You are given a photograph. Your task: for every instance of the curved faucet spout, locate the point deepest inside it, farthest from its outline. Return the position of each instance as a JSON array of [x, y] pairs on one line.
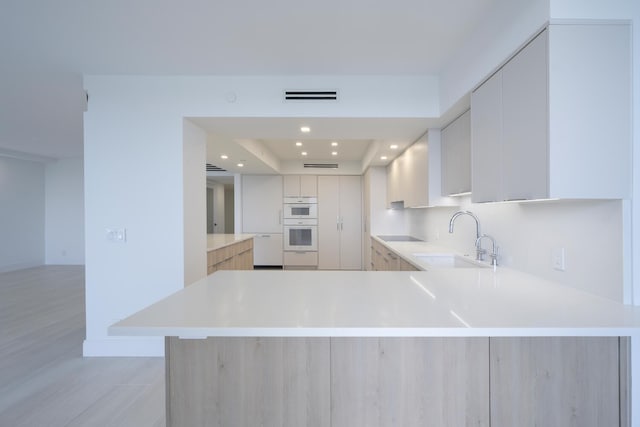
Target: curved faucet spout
[[479, 251], [457, 214]]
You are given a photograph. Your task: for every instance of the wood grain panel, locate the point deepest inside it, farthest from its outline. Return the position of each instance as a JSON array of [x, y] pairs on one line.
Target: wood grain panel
[[248, 382], [409, 382], [555, 381]]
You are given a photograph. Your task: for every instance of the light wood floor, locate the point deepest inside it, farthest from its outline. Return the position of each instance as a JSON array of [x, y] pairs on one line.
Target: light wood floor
[[45, 381]]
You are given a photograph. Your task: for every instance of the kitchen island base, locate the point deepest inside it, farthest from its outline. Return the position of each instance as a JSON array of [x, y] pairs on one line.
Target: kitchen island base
[[397, 381]]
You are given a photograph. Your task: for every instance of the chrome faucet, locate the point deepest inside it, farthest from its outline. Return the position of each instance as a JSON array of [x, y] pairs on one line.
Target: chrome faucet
[[479, 251], [494, 248]]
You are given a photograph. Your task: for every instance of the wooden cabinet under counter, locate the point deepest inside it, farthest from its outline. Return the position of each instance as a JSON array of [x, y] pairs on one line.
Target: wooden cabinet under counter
[[383, 259], [229, 252]]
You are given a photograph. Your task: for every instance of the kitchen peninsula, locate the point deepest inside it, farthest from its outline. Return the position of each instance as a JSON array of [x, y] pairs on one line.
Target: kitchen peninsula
[[229, 252], [444, 347]]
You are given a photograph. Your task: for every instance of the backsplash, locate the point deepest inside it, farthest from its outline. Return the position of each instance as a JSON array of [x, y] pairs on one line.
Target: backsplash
[[590, 232]]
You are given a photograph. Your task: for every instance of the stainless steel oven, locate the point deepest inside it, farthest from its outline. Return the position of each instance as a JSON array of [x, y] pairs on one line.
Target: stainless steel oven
[[300, 234], [300, 208]]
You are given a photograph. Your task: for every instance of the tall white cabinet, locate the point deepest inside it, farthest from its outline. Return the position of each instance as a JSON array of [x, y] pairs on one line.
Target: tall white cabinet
[[339, 223], [554, 121], [262, 216]]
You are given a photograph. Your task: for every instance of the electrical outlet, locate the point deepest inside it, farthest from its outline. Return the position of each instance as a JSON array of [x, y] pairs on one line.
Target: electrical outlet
[[557, 259], [118, 235]]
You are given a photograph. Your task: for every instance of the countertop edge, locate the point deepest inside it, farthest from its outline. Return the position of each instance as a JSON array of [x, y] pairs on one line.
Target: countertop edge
[[444, 332], [238, 238]]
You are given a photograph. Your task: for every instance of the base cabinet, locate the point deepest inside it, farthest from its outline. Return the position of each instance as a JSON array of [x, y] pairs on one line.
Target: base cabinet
[[238, 256], [397, 381], [560, 381], [383, 259], [409, 382]]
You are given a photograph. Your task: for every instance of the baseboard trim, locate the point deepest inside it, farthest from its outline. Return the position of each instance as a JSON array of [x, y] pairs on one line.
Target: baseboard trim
[[124, 347]]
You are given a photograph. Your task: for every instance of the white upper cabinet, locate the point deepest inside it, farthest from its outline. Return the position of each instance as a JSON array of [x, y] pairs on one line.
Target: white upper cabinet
[[300, 186], [456, 156], [407, 176], [554, 121], [414, 177]]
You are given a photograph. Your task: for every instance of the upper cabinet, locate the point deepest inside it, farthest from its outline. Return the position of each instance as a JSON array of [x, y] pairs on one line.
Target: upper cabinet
[[414, 177], [300, 186], [407, 179], [456, 156], [554, 121]]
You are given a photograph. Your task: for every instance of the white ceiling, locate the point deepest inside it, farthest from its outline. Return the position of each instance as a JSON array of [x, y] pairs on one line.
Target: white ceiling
[[46, 46]]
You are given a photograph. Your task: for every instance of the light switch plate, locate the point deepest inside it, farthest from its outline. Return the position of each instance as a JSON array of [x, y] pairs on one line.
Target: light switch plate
[[557, 259], [118, 235]]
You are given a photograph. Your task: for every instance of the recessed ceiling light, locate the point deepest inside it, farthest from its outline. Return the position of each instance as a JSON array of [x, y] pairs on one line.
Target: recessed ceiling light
[[394, 146], [304, 153], [334, 144], [224, 156], [334, 153], [383, 157], [298, 144], [240, 164], [305, 129]]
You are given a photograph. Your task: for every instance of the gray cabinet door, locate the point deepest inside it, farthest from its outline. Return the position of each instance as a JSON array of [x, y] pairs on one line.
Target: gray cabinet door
[[486, 137], [456, 156], [525, 112]]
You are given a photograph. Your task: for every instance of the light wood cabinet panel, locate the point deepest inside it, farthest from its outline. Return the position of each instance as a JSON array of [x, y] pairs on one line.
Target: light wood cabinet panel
[[383, 259], [456, 156], [300, 185], [398, 381], [339, 223], [238, 256], [406, 266], [486, 137], [557, 381], [309, 185], [554, 114], [525, 160], [248, 382], [408, 382], [351, 222], [408, 176], [262, 203]]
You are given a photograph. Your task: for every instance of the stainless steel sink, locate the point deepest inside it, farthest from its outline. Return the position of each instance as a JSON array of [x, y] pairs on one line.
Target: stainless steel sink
[[447, 261]]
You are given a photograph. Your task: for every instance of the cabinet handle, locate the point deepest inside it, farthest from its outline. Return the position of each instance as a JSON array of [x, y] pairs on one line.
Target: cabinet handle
[[280, 217], [338, 222]]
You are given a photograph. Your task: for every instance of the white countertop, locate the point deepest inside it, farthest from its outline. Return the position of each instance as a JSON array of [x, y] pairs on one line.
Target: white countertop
[[217, 241], [407, 249], [439, 302]]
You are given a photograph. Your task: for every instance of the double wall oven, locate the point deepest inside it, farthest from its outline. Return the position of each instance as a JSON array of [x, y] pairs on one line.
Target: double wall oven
[[301, 232]]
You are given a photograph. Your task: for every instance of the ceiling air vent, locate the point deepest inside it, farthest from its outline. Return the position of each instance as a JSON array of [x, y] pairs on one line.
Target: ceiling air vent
[[310, 95], [212, 168], [321, 165]]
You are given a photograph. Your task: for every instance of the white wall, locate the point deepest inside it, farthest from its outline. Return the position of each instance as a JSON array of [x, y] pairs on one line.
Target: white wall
[[64, 212], [22, 213], [589, 231], [134, 174], [195, 210]]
